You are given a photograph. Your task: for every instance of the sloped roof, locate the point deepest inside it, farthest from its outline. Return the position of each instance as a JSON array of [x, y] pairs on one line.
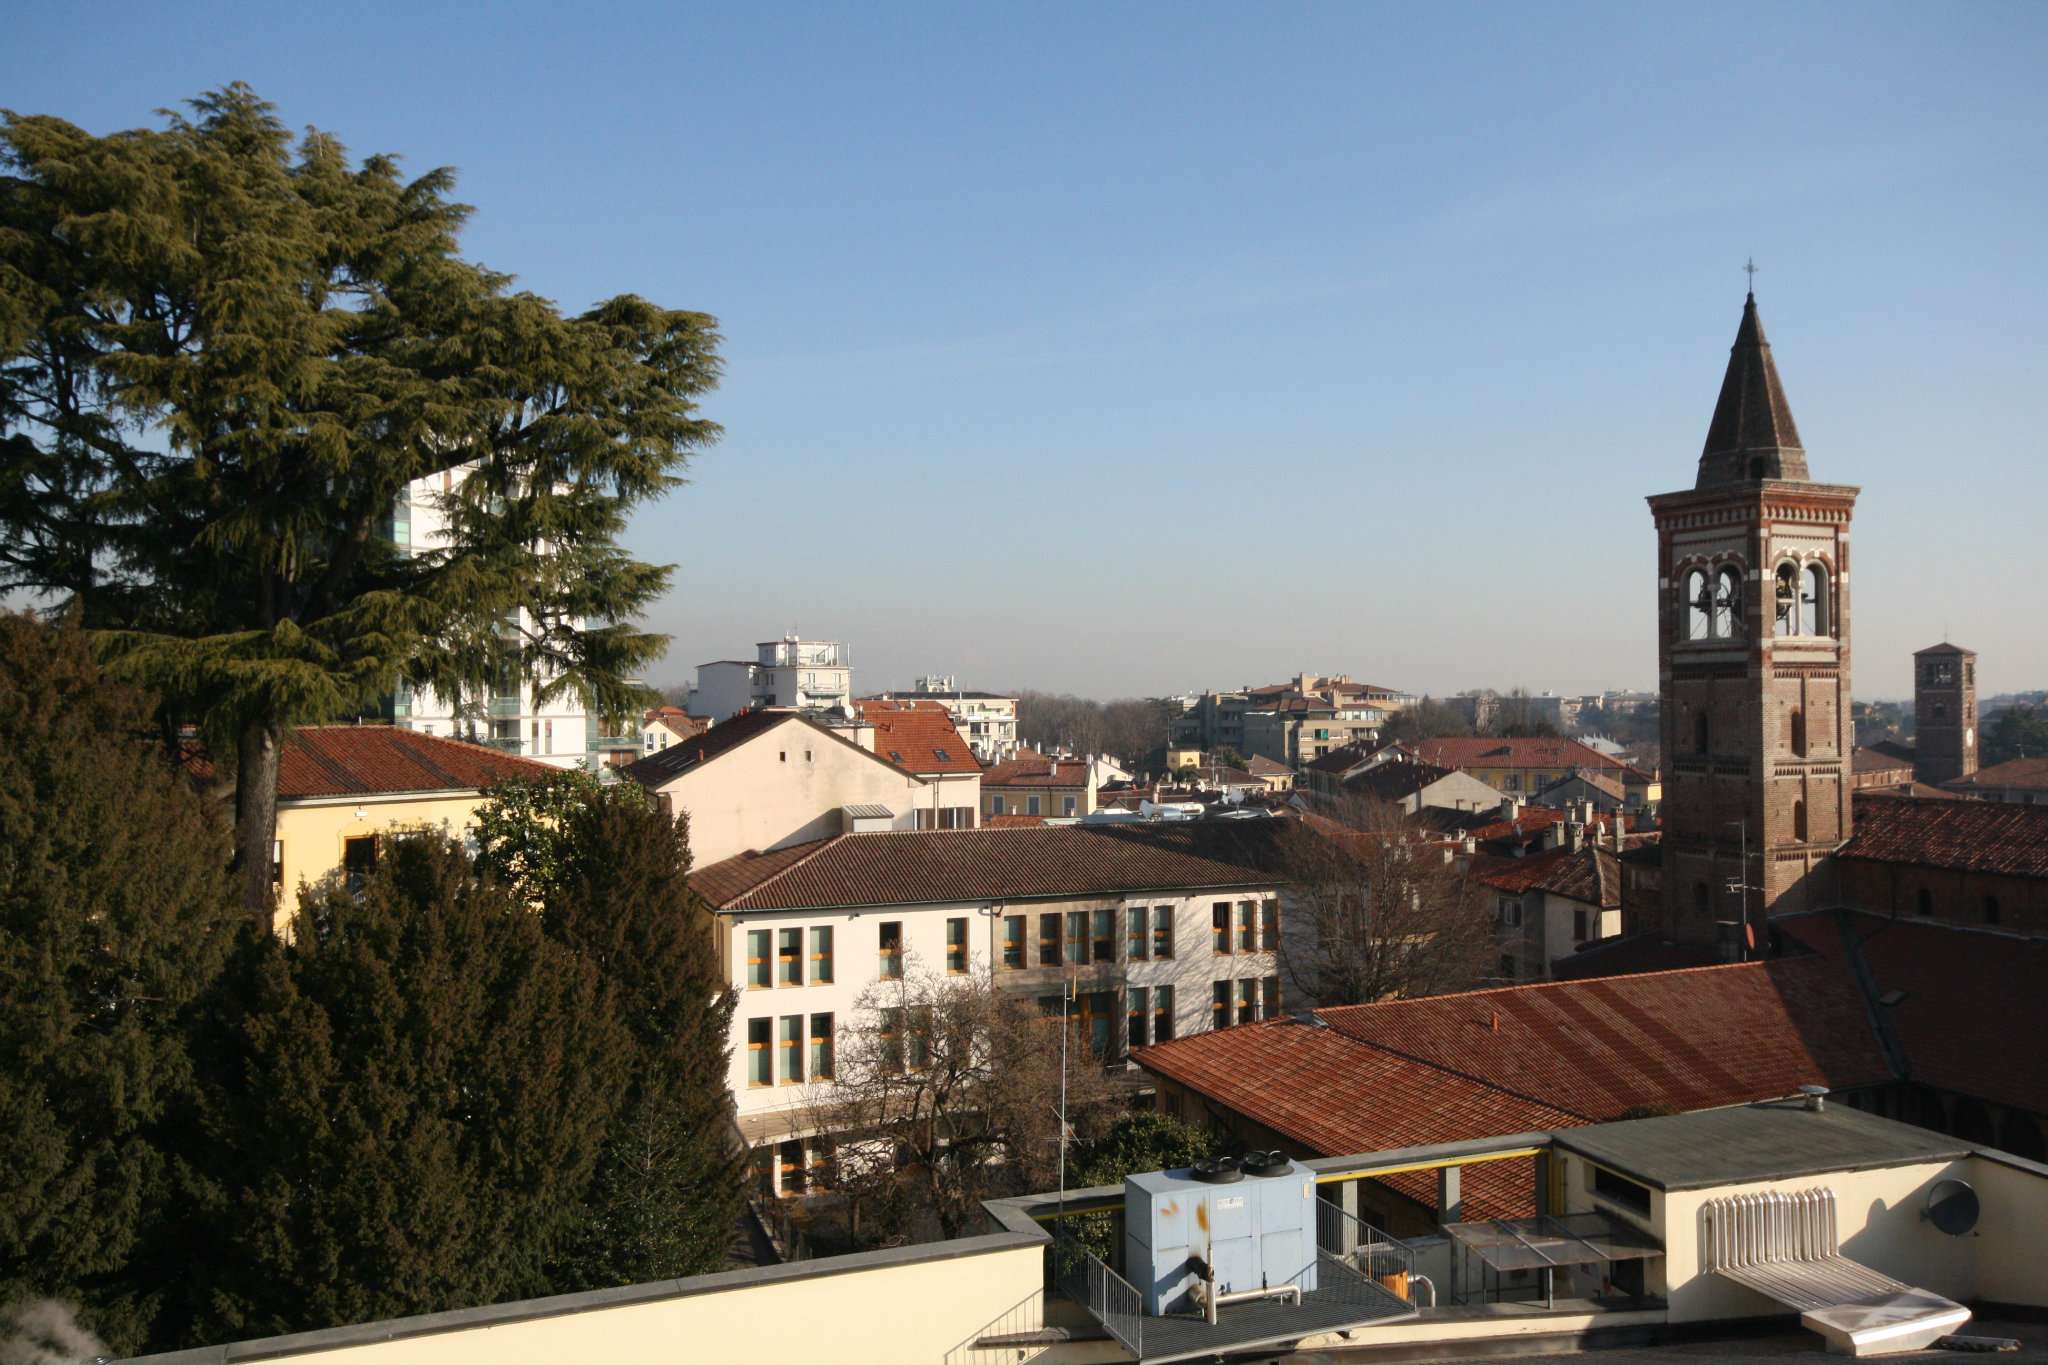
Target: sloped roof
[[1394, 781], [1341, 759], [1943, 648], [1591, 875], [2014, 772], [1029, 768], [1967, 836], [1629, 954], [660, 768], [1261, 766], [918, 736], [1516, 875], [1482, 751], [1752, 418], [911, 867], [366, 760], [1604, 783], [1880, 758]]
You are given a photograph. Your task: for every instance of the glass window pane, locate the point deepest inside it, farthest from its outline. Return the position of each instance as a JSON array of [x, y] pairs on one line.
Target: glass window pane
[[821, 1047], [956, 946], [760, 1062], [758, 967], [1077, 937], [1013, 941], [790, 957], [1162, 931], [1162, 1013], [1049, 940], [792, 1048], [821, 954], [1138, 941], [1105, 936]]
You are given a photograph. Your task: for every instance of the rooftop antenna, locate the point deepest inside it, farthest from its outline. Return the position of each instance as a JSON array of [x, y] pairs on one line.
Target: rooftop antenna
[[1749, 269]]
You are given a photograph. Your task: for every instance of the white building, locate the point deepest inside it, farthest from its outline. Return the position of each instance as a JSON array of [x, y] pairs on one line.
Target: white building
[[804, 674], [1163, 932], [987, 721]]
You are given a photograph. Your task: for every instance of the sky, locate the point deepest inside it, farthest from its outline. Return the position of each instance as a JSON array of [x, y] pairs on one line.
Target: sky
[[1144, 348]]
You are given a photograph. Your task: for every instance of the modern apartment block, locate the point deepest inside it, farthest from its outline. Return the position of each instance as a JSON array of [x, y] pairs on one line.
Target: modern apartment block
[[804, 674]]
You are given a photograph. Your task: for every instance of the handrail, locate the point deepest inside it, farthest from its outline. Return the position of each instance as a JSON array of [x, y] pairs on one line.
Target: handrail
[[1081, 1276], [1385, 1260]]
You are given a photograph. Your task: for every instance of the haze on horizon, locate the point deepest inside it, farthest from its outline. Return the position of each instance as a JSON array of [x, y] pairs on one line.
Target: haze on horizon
[[1175, 346]]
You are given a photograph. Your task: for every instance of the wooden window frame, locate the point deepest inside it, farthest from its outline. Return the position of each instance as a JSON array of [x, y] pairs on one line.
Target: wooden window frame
[[1137, 933], [1162, 933], [1219, 1004], [789, 1049], [1219, 929], [1076, 943], [1050, 939], [1162, 1014]]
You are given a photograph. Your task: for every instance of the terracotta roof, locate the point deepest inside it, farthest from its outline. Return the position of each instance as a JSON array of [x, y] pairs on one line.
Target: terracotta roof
[[1261, 766], [1630, 954], [1879, 758], [910, 867], [1394, 781], [1974, 1018], [2015, 772], [1341, 759], [1480, 751], [660, 768], [1606, 784], [1915, 789], [918, 736], [1591, 875], [1967, 836], [1012, 821], [380, 760], [1751, 417], [1029, 768]]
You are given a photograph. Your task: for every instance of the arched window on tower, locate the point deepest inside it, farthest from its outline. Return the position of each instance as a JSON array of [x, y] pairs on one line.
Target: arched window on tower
[[1700, 732], [1699, 605], [1786, 597], [1813, 601], [1799, 821], [1798, 732], [1728, 602]]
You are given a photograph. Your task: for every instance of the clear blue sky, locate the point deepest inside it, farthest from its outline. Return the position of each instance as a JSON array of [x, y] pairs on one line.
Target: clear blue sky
[[1132, 348]]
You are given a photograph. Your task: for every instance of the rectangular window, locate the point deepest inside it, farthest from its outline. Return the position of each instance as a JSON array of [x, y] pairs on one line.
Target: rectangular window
[[1098, 1023], [789, 958], [1105, 936], [1031, 805], [821, 1047], [1219, 929], [890, 1036], [1077, 938], [1013, 942], [1269, 926], [1219, 1005], [1162, 1013], [758, 966], [1247, 927], [759, 1061], [792, 1049], [1272, 985], [892, 950], [956, 946], [1621, 1190], [1162, 932], [1247, 1000], [1049, 940], [1138, 939], [1579, 926], [358, 858], [1136, 1016], [821, 954], [995, 805], [790, 1157], [764, 1171], [1067, 805], [277, 862]]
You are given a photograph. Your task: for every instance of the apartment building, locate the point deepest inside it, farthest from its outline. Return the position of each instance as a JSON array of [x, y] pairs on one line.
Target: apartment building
[[1162, 932], [789, 672], [919, 736], [1521, 767], [1035, 784], [987, 721]]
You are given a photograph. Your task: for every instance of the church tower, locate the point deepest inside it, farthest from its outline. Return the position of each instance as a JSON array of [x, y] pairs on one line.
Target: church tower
[[1752, 664], [1944, 713]]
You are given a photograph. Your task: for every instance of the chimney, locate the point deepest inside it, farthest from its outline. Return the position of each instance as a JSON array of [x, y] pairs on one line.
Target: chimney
[[1816, 1097], [1495, 1022], [1576, 833], [1510, 808]]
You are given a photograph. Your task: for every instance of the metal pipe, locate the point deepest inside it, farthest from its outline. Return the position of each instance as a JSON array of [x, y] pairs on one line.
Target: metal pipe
[[1414, 1280]]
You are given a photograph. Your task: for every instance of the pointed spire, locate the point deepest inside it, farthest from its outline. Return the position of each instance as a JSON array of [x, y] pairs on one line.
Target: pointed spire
[[1752, 435]]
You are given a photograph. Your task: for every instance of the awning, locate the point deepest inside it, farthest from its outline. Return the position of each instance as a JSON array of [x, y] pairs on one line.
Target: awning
[[1550, 1241]]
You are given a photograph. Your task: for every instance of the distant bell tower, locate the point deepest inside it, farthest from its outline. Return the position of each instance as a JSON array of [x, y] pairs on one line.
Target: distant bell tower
[[1944, 713], [1752, 664]]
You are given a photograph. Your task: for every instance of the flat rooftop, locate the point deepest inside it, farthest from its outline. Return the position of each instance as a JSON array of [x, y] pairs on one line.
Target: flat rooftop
[[1778, 1140]]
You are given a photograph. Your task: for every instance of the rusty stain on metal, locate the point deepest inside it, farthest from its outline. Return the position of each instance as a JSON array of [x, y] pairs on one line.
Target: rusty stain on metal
[[1202, 1216]]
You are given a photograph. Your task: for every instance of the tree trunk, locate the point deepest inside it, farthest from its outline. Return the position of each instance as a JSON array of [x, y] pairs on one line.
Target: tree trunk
[[256, 817]]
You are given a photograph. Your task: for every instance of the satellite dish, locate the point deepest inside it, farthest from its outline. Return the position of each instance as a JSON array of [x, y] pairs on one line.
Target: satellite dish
[[1952, 1206]]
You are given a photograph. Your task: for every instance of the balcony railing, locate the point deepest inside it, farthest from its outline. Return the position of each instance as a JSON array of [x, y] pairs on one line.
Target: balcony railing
[[1370, 1252], [1082, 1277], [506, 704]]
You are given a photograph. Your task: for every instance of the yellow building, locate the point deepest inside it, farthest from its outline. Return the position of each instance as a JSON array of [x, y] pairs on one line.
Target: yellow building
[[340, 788]]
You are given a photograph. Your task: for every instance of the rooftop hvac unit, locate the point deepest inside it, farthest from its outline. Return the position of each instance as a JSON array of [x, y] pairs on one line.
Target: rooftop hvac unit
[[1253, 1224]]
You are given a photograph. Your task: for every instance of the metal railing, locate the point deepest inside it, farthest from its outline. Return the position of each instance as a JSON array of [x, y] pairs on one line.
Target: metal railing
[[1349, 1240], [1014, 1336], [1082, 1277]]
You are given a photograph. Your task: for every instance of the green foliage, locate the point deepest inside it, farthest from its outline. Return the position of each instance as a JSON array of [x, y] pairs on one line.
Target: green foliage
[[405, 1105], [524, 828], [1147, 1140], [115, 912], [223, 358], [2015, 732]]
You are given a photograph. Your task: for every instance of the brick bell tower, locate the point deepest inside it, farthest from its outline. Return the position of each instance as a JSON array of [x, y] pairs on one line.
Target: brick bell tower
[[1752, 665], [1944, 713]]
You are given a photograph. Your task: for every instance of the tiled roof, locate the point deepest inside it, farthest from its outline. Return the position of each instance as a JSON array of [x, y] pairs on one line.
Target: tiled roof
[[2015, 772], [1029, 768], [1341, 760], [1751, 417], [365, 760], [1629, 954], [1974, 1018], [660, 768], [1915, 789], [1516, 875], [918, 736], [1966, 836], [1394, 781], [1336, 1096], [1591, 875], [910, 867], [1693, 1039], [1480, 751], [1606, 784], [1012, 821], [1879, 759], [1261, 766]]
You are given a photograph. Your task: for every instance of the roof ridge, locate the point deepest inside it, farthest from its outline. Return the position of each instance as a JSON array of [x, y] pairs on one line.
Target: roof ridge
[[1546, 985], [779, 873]]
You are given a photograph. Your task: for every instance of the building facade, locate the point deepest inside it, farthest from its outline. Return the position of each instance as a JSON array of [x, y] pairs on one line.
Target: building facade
[[1944, 714], [790, 672]]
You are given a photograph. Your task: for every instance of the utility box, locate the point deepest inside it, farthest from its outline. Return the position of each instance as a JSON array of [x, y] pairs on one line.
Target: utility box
[[1257, 1230]]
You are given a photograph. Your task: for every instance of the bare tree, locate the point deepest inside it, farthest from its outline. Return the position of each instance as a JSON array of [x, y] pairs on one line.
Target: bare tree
[[950, 1087], [1376, 909]]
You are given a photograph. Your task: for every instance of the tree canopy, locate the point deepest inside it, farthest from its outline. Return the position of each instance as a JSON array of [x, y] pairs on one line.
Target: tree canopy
[[225, 356]]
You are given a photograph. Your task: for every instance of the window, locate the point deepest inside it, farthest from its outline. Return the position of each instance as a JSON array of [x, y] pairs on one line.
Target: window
[[1219, 1005], [956, 946], [790, 1158], [1097, 1020], [890, 1035], [892, 950], [1269, 927], [1578, 926], [1813, 601], [1786, 595], [758, 967], [358, 858], [1702, 903], [1701, 733], [1798, 732], [1105, 935], [821, 1047], [1162, 932], [764, 1171], [1991, 910], [1728, 602], [759, 1061], [1049, 940], [1247, 1000], [995, 805], [789, 958], [1923, 901], [1799, 821], [1077, 938], [944, 757], [1162, 1013], [1138, 937], [1066, 805], [277, 862], [1272, 989], [1013, 942], [1137, 1017], [1510, 913], [1508, 970], [821, 954], [1698, 605], [1219, 929], [1621, 1190], [792, 1044], [1031, 805]]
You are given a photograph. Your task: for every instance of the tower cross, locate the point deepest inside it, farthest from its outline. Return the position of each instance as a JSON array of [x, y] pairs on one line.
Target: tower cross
[[1749, 269]]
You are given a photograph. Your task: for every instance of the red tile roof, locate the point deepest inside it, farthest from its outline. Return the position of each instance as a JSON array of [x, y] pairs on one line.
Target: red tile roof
[[1591, 875], [918, 736], [665, 765], [1261, 766], [2014, 772], [1966, 836], [362, 760], [1629, 955], [1029, 768], [912, 867], [1012, 821], [1481, 751], [1876, 759], [1516, 875]]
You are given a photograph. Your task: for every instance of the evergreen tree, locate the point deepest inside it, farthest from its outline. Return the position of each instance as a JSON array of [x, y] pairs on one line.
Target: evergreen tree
[[406, 1104], [115, 911], [223, 359]]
